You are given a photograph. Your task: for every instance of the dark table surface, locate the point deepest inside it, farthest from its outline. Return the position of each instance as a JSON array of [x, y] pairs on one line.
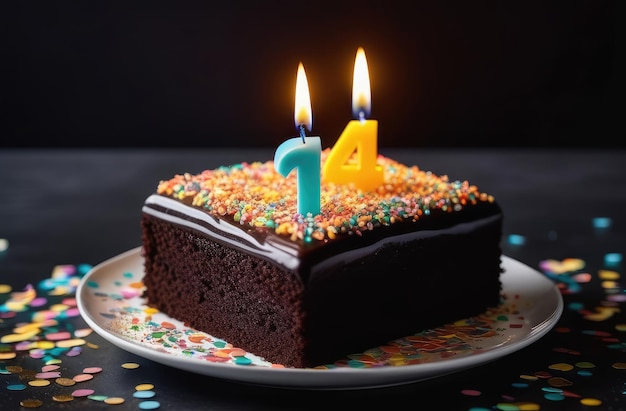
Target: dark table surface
[[81, 207]]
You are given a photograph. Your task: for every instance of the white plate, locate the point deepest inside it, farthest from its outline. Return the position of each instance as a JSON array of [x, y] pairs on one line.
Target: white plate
[[109, 300]]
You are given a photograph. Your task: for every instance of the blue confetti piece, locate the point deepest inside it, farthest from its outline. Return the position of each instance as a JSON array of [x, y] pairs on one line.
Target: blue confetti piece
[[144, 394], [84, 269], [612, 259], [602, 222], [149, 405], [16, 387], [554, 397], [516, 239]]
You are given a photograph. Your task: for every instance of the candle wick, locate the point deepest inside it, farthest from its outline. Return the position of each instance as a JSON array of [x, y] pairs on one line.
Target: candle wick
[[302, 134], [362, 115]]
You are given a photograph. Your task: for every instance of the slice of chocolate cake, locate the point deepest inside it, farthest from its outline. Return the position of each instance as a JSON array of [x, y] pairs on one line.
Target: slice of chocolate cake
[[226, 252]]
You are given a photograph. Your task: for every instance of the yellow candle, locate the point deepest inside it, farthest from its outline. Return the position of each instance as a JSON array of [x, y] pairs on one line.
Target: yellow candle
[[360, 136]]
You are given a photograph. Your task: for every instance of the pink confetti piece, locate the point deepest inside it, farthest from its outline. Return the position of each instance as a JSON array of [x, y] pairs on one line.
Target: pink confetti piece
[[72, 312], [82, 393], [83, 332], [129, 292], [61, 335], [48, 368], [82, 377], [38, 302], [46, 375]]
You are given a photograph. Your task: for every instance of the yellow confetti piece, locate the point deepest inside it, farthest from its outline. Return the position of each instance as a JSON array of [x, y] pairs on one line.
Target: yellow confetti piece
[[39, 383], [59, 307], [608, 275], [59, 290], [44, 345], [591, 402], [71, 343], [609, 284], [150, 310], [5, 288], [602, 313], [11, 338], [65, 382], [528, 406], [585, 364], [620, 327], [529, 377], [36, 326], [564, 266], [31, 403], [53, 361], [619, 365], [62, 398], [17, 306], [144, 387], [7, 355], [130, 365], [92, 345], [561, 366], [114, 400]]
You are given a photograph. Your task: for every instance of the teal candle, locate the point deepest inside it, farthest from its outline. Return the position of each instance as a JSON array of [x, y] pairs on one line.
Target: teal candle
[[302, 153], [305, 158]]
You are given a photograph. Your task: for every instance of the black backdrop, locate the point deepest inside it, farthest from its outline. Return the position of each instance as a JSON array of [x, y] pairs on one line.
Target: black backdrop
[[466, 73]]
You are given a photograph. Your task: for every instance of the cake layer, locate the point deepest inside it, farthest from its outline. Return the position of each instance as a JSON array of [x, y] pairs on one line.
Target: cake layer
[[218, 278]]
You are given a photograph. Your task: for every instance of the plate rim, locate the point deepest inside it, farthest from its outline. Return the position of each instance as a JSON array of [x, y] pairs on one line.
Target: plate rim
[[325, 379]]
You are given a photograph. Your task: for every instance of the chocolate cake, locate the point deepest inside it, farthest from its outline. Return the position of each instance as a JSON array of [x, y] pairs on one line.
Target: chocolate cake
[[227, 253]]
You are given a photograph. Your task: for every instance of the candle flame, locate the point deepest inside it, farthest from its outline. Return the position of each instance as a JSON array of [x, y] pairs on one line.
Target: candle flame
[[361, 93], [302, 112]]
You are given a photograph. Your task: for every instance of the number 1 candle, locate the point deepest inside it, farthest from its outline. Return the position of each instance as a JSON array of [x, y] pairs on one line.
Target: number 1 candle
[[302, 153], [359, 135]]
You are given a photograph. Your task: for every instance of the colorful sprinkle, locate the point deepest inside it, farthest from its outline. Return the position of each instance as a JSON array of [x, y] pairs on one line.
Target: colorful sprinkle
[[272, 205]]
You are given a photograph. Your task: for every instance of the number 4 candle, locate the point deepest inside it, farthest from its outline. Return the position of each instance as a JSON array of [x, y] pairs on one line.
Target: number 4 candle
[[360, 136], [302, 153]]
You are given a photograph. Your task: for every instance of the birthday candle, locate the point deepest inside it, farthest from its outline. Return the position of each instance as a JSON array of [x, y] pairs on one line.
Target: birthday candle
[[359, 135], [302, 153]]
